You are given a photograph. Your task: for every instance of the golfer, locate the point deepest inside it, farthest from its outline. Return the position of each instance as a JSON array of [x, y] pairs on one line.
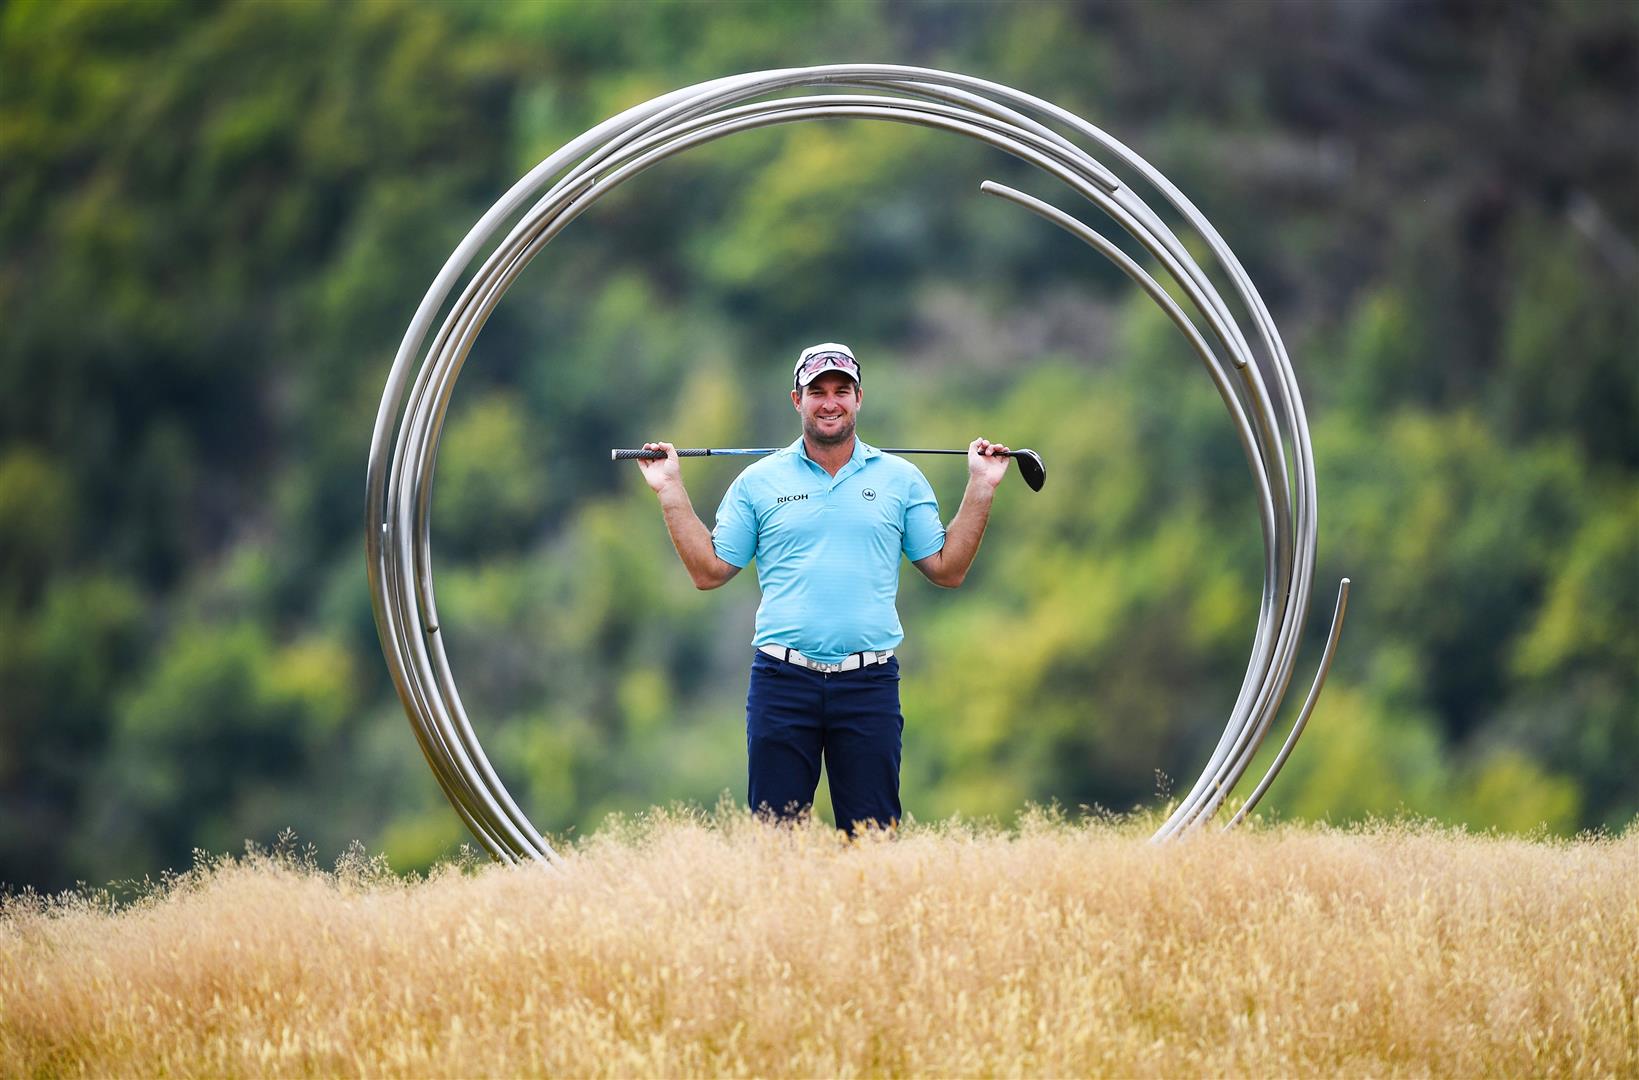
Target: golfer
[[827, 518]]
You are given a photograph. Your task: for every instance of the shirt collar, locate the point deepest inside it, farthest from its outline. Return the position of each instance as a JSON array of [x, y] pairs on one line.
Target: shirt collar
[[863, 451]]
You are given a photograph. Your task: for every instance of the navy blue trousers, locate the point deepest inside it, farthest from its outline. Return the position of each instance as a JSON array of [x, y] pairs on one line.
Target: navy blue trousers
[[795, 716]]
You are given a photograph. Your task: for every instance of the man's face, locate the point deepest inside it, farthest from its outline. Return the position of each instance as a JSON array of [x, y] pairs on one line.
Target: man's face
[[828, 406]]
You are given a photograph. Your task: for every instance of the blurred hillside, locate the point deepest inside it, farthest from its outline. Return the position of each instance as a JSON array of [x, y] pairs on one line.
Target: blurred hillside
[[217, 218]]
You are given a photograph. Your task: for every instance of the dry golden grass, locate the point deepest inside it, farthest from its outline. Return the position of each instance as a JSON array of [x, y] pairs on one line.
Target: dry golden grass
[[689, 947]]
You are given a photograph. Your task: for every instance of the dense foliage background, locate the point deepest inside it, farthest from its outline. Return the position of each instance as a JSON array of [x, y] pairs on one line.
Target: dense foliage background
[[217, 218]]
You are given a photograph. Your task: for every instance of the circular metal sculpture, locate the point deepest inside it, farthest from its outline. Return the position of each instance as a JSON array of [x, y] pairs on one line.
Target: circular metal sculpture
[[1258, 389]]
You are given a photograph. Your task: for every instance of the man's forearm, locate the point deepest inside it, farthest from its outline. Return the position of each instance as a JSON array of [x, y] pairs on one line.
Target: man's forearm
[[692, 539], [963, 534]]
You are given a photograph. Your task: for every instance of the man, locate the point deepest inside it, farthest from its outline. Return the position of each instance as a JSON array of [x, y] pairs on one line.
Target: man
[[827, 518]]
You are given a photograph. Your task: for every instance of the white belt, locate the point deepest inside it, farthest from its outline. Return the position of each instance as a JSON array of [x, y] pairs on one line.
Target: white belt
[[849, 663]]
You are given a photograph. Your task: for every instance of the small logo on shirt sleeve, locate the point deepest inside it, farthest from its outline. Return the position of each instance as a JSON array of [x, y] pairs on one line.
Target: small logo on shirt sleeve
[[869, 494]]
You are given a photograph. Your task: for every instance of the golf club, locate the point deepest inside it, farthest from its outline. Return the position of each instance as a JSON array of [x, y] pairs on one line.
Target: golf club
[[1031, 467]]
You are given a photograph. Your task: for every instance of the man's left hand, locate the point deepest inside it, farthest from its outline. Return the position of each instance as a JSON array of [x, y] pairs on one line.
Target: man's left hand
[[987, 461]]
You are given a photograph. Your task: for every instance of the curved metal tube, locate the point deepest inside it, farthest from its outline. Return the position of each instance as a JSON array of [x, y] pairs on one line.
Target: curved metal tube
[[1302, 721], [409, 422]]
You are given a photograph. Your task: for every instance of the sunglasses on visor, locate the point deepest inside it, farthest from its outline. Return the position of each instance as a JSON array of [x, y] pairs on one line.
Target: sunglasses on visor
[[821, 361]]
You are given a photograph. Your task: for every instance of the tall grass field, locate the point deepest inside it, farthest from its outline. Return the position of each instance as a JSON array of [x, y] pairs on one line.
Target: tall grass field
[[688, 945]]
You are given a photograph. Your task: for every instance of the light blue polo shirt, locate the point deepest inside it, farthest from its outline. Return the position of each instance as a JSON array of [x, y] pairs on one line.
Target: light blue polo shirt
[[827, 547]]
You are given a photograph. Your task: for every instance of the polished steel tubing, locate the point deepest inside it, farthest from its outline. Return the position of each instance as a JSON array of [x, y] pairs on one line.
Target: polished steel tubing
[[1255, 714], [1241, 725], [480, 783], [399, 483], [383, 564], [1264, 424], [1250, 444], [1253, 695], [1275, 590], [478, 786], [1212, 782], [1302, 721], [1217, 786]]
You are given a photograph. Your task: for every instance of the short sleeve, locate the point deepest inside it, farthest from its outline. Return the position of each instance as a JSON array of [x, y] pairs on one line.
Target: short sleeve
[[735, 534], [924, 532]]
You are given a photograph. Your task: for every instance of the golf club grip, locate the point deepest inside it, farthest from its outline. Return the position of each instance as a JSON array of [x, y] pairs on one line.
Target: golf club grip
[[655, 455]]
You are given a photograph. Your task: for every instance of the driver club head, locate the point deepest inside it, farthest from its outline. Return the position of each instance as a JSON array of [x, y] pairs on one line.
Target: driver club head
[[1031, 468]]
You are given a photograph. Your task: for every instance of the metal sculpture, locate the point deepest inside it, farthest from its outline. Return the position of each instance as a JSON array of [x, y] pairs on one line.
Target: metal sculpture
[[1259, 390]]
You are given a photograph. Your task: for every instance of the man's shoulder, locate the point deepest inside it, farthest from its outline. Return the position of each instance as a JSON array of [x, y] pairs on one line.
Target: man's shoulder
[[764, 470], [892, 465], [775, 464]]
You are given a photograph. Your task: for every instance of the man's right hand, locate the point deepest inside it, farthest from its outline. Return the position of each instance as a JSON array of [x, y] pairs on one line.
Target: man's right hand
[[689, 534], [661, 473]]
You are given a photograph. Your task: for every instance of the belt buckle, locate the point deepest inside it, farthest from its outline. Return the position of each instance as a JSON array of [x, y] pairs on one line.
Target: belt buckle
[[829, 669]]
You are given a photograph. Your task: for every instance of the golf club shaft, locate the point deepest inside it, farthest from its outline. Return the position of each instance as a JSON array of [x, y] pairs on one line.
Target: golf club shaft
[[1031, 467], [656, 455]]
